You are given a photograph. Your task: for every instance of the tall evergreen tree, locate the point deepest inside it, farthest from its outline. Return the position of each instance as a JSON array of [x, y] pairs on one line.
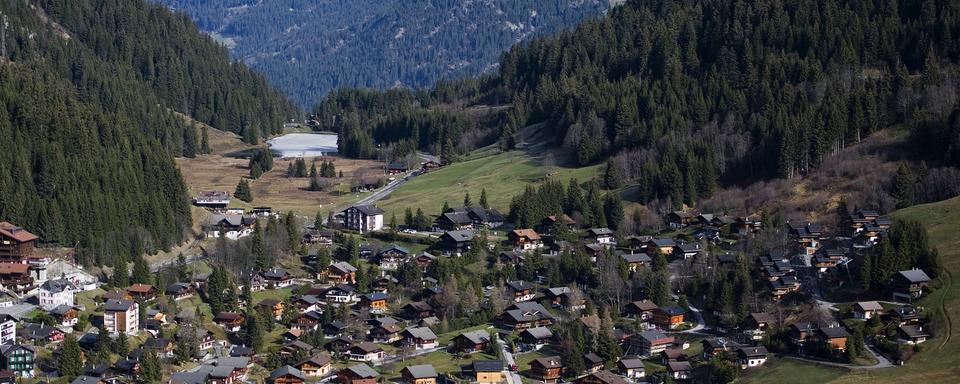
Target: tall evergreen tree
[[70, 361], [483, 199]]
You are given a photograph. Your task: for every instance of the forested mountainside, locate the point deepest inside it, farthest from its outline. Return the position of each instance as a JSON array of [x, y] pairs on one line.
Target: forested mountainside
[[89, 91], [681, 94], [187, 70], [308, 48]]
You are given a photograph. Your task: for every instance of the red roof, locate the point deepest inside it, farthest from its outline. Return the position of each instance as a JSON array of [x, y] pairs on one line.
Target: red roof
[[16, 233], [140, 288], [13, 268], [526, 232]]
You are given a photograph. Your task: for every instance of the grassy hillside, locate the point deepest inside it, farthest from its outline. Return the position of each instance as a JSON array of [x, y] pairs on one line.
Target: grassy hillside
[[502, 174]]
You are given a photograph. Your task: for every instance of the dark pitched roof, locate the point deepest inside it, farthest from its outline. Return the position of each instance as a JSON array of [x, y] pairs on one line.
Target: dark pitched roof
[[287, 370], [834, 332], [915, 276], [363, 371], [118, 305], [421, 371], [58, 285], [487, 365], [368, 210]]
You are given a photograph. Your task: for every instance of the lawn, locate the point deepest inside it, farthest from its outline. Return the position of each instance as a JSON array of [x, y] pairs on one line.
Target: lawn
[[503, 175], [787, 371], [442, 362], [937, 363]]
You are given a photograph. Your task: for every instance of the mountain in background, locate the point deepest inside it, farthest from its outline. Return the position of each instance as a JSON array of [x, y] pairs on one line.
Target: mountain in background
[[307, 48], [93, 95]]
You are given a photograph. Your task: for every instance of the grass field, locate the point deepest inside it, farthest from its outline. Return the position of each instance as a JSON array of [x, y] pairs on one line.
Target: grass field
[[503, 175], [786, 371], [222, 170]]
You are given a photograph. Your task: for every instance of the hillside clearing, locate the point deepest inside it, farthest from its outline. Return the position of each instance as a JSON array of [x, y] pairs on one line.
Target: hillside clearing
[[503, 175]]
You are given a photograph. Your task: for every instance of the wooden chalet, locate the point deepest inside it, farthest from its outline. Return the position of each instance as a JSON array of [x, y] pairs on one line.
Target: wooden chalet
[[418, 374], [16, 243], [547, 369], [318, 365], [524, 239], [358, 374], [472, 341], [287, 375]]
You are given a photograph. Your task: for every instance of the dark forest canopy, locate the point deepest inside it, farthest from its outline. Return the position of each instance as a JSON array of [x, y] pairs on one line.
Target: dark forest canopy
[[89, 91], [678, 92], [184, 68]]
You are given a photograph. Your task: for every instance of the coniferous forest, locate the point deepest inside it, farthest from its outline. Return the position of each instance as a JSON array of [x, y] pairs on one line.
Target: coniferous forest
[[90, 93], [683, 94]]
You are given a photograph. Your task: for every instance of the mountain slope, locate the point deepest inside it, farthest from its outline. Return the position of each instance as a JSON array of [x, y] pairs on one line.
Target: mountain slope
[[679, 96], [310, 47], [88, 132]]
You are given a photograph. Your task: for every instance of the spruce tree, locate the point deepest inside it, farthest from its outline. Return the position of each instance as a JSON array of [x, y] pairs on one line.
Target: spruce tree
[[256, 170], [150, 369], [121, 345], [204, 140], [252, 330], [483, 199], [141, 271], [121, 276], [70, 361], [466, 200], [318, 221]]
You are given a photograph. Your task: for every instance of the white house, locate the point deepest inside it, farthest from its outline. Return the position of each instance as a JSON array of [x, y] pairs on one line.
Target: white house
[[363, 218], [752, 356], [121, 316], [8, 330], [54, 293]]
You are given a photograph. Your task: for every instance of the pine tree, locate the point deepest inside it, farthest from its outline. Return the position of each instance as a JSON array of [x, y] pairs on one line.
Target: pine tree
[[613, 209], [318, 221], [150, 369], [903, 186], [483, 199], [466, 200], [141, 271], [121, 276], [204, 140], [611, 176], [252, 330], [866, 272], [242, 191], [121, 345], [70, 361], [256, 171], [257, 247]]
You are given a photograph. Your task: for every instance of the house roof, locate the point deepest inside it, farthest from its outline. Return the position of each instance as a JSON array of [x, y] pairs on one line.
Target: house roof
[[177, 287], [914, 331], [519, 285], [834, 332], [113, 305], [61, 309], [394, 247], [421, 333], [635, 258], [17, 233], [423, 371], [367, 347], [228, 316], [538, 333], [600, 232], [526, 232], [556, 292], [644, 305], [459, 218], [753, 351], [655, 337], [673, 310], [608, 377], [287, 370], [275, 273], [549, 361], [593, 358], [663, 242], [320, 359], [376, 296], [631, 362], [363, 371], [487, 365], [460, 236], [369, 210], [761, 317], [915, 276], [869, 306], [477, 337], [13, 268], [58, 285], [140, 288], [344, 266], [679, 366]]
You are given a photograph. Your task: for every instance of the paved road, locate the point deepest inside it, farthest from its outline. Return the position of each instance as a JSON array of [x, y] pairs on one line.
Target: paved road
[[512, 377]]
